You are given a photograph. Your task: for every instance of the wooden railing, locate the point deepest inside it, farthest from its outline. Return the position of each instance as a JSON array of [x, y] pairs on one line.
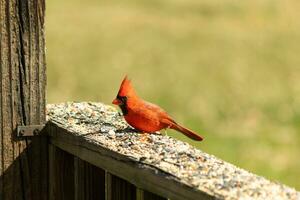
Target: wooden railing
[[94, 155], [86, 150]]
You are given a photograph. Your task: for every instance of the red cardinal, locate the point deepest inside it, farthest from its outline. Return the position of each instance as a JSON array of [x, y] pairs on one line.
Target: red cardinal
[[145, 116]]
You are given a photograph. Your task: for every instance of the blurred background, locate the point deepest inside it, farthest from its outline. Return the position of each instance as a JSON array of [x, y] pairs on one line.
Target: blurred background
[[229, 69]]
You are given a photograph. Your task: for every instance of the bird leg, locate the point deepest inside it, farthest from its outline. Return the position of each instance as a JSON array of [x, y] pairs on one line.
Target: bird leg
[[165, 130], [166, 133]]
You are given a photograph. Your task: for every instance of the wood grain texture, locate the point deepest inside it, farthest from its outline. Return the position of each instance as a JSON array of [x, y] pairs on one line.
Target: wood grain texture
[[78, 179], [116, 164], [61, 185], [145, 195], [108, 188], [23, 164], [121, 189], [89, 181]]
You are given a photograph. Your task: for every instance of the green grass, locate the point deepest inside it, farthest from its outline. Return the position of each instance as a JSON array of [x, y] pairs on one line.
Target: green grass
[[227, 69]]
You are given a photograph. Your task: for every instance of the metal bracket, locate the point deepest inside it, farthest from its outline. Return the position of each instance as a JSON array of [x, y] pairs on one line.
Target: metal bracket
[[30, 130]]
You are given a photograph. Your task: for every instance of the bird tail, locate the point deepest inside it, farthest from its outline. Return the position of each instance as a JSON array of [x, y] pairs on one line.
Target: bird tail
[[187, 132]]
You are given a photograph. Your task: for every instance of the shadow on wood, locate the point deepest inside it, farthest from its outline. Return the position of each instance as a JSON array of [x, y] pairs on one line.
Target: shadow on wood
[[26, 177], [73, 178]]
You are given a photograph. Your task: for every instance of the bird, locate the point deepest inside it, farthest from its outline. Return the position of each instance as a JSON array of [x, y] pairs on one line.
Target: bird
[[144, 116]]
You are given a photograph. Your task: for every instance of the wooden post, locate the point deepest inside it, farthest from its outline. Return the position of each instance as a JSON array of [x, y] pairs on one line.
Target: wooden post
[[23, 163]]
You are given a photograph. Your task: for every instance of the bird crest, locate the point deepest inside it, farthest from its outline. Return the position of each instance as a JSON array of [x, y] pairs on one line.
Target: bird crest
[[126, 88]]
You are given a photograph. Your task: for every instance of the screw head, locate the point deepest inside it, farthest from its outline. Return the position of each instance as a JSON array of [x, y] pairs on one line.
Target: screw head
[[36, 131], [21, 133]]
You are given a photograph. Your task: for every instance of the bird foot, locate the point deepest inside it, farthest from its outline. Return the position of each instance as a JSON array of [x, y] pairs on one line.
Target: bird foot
[[161, 132], [128, 130], [166, 133], [157, 133]]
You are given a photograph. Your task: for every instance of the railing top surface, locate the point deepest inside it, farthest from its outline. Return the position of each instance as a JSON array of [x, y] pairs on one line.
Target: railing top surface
[[102, 125]]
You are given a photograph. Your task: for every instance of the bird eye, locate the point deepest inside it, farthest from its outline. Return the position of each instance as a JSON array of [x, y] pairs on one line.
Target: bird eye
[[123, 99]]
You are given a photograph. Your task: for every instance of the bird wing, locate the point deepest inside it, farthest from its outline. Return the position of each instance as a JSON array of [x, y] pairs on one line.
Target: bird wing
[[156, 109], [160, 113]]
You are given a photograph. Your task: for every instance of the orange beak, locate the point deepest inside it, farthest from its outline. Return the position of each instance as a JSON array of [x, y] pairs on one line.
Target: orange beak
[[116, 102]]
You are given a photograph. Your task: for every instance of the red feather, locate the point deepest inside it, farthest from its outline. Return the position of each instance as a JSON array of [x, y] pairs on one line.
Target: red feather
[[145, 116]]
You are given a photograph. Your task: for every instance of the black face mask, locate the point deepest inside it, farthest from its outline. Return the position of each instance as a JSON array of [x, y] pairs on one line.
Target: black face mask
[[123, 105]]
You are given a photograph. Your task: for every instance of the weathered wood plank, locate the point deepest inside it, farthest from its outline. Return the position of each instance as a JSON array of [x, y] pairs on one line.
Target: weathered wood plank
[[52, 178], [89, 181], [108, 187], [139, 194], [145, 195], [23, 164], [61, 174], [121, 189], [144, 177], [78, 178], [7, 128]]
